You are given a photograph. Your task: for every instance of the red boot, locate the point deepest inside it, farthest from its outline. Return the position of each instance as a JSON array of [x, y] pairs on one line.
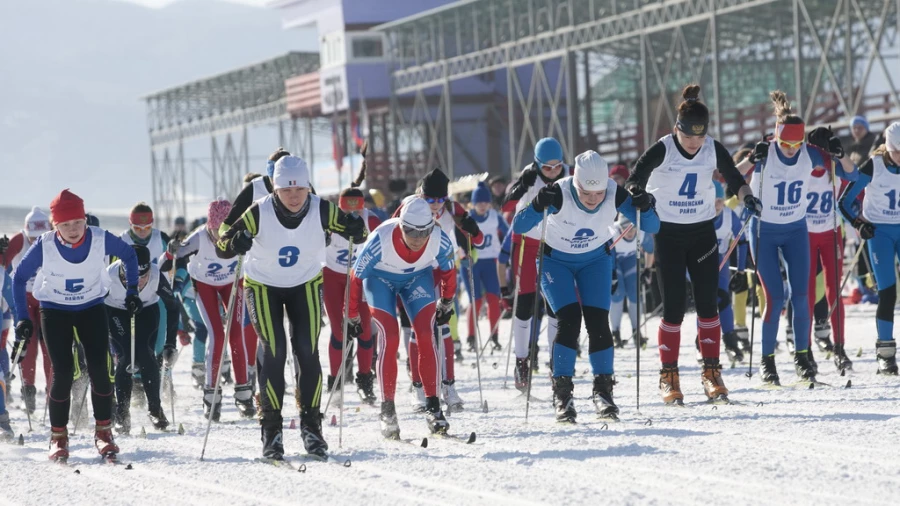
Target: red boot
[[103, 439], [59, 444]]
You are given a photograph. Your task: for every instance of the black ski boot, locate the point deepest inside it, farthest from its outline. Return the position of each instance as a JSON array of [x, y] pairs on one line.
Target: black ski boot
[[434, 417], [886, 351], [732, 347], [521, 374], [311, 432], [211, 408], [272, 438], [123, 416], [495, 342], [841, 361], [643, 340], [243, 400], [390, 428], [743, 337], [563, 400], [769, 372], [803, 366], [812, 361], [330, 383], [365, 389], [158, 418], [617, 339], [822, 331], [29, 392], [603, 397], [470, 344]]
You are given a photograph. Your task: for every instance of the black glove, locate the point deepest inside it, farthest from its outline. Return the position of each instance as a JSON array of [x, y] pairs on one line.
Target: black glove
[[647, 276], [469, 225], [615, 282], [738, 283], [506, 296], [443, 312], [640, 199], [24, 329], [133, 302], [760, 152], [866, 229], [546, 197], [4, 244], [170, 355], [824, 138], [753, 205], [355, 230], [242, 242], [354, 328], [529, 176], [178, 286]]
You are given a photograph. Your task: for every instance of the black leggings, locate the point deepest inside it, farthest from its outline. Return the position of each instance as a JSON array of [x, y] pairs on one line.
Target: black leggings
[[146, 326], [59, 328], [690, 248], [596, 320], [302, 304]]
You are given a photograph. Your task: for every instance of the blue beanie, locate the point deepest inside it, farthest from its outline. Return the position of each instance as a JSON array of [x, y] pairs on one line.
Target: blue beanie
[[547, 149], [720, 191], [481, 193], [270, 169], [859, 120]]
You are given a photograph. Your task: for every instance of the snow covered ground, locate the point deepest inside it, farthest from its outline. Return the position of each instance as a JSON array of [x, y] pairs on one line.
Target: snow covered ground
[[830, 445]]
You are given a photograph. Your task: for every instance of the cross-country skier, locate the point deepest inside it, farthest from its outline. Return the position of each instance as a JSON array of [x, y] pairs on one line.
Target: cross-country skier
[[627, 280], [397, 262], [6, 430], [548, 167], [71, 285], [283, 236], [577, 270], [152, 287], [728, 226], [879, 225], [36, 224], [678, 171], [212, 280]]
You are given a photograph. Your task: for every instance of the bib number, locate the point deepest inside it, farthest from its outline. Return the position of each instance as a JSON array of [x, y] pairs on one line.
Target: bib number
[[824, 205], [288, 256], [488, 239], [689, 187], [74, 285], [793, 192], [214, 268], [892, 199]]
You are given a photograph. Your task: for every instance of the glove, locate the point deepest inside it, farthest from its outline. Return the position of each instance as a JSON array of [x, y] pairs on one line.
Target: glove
[[355, 230], [170, 355], [546, 197], [4, 244], [640, 199], [647, 276], [184, 337], [468, 225], [443, 312], [753, 205], [24, 329], [528, 177], [738, 283], [178, 286], [866, 229], [354, 328], [615, 282], [760, 152], [824, 138], [172, 247], [242, 242], [133, 302], [506, 297]]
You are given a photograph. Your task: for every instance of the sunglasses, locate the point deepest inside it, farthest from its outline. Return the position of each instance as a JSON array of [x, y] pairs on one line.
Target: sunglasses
[[142, 228], [789, 145], [432, 200], [417, 233], [545, 166]]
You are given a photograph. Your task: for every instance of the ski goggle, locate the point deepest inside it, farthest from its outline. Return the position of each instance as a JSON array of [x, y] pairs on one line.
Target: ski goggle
[[416, 232], [788, 144], [548, 167], [142, 228], [433, 200]]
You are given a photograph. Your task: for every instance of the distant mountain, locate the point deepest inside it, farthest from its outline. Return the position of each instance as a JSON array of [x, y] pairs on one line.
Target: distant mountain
[[73, 72]]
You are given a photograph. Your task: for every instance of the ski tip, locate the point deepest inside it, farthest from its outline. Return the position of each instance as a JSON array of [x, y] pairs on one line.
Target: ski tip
[[812, 385], [128, 467], [484, 407], [347, 463], [180, 429], [77, 471], [143, 432], [21, 440], [495, 365], [848, 384], [843, 372], [301, 468], [424, 443], [471, 439], [859, 353]]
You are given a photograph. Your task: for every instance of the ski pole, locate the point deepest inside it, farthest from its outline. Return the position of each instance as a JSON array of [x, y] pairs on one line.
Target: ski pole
[[515, 303], [734, 243], [622, 235], [852, 266], [838, 332], [27, 412], [131, 369], [638, 341], [339, 382], [229, 314], [535, 322], [471, 269]]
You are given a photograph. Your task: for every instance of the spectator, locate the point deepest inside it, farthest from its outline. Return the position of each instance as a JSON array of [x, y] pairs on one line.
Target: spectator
[[862, 140]]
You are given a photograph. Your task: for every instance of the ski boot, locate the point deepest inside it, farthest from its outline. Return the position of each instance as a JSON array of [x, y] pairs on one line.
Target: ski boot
[[457, 351], [123, 416], [138, 395], [271, 435], [603, 397], [28, 394], [495, 342], [743, 337], [643, 340], [6, 430], [822, 331], [803, 366], [732, 347], [330, 383], [841, 360], [563, 400], [158, 418], [769, 372], [521, 374], [887, 357], [419, 402], [812, 361], [104, 441], [713, 386], [59, 444], [198, 375], [534, 365], [451, 398], [789, 340], [225, 373], [211, 407], [311, 432], [243, 400], [470, 344], [670, 384], [365, 389], [434, 417], [617, 339], [390, 428], [251, 378]]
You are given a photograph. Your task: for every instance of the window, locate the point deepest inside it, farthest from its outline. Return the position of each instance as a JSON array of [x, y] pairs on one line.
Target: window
[[367, 47]]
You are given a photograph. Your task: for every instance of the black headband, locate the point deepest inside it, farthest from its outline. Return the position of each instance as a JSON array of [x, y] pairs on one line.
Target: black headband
[[692, 127]]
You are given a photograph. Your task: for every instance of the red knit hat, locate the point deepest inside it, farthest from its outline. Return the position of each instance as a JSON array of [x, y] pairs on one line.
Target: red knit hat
[[66, 207]]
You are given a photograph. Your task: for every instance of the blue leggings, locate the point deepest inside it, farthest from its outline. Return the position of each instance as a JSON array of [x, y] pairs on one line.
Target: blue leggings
[[200, 332], [626, 271], [792, 239], [883, 249], [726, 312]]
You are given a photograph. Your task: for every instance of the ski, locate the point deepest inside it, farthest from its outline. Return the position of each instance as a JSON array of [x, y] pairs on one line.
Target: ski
[[325, 458], [421, 443], [281, 463], [455, 437]]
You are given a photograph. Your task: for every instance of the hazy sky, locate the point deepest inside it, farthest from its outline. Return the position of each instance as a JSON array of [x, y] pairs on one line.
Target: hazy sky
[[156, 4]]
